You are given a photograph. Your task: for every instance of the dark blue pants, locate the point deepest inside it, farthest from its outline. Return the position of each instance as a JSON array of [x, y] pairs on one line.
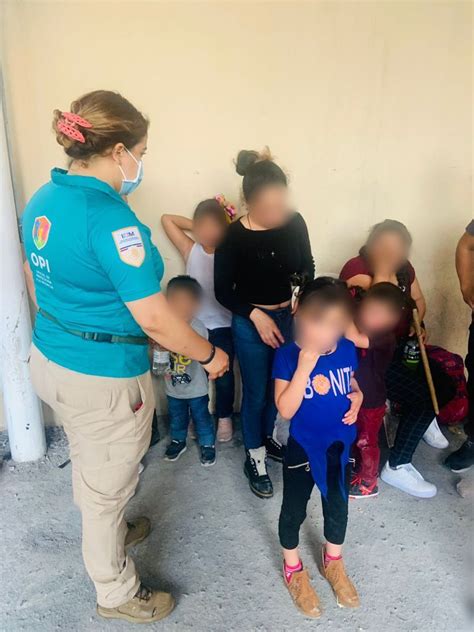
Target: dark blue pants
[[222, 337], [178, 411], [258, 411]]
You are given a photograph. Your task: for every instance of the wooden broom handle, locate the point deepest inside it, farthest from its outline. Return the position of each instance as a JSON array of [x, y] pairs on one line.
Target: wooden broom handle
[[424, 357]]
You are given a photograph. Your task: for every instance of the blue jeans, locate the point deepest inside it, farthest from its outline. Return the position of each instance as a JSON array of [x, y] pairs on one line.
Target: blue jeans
[[258, 411], [222, 337], [178, 411]]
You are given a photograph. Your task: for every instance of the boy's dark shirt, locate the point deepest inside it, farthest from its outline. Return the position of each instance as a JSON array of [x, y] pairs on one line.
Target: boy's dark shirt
[[373, 365]]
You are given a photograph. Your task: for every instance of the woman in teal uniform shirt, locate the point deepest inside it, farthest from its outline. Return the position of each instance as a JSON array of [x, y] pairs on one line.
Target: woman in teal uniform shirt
[[95, 276]]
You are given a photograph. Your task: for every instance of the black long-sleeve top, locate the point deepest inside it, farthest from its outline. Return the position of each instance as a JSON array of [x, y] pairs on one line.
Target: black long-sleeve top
[[257, 266]]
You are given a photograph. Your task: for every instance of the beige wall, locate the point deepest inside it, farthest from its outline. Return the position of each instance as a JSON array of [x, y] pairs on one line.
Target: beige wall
[[366, 104]]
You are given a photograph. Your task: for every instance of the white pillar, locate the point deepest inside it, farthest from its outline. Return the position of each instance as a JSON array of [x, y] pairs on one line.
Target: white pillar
[[22, 408]]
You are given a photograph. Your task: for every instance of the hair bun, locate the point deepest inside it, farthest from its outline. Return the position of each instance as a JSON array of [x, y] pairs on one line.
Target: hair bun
[[245, 159]]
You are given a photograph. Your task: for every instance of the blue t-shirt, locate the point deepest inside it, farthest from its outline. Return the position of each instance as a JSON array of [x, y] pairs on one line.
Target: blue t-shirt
[[89, 254], [318, 421]]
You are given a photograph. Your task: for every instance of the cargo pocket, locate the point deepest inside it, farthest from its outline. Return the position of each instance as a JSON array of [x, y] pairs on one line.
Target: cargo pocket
[[144, 410]]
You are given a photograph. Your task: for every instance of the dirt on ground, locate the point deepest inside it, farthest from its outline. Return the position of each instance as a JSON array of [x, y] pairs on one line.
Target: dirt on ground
[[215, 546]]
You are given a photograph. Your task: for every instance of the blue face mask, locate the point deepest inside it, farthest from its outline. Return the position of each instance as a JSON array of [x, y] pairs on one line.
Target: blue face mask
[[128, 186]]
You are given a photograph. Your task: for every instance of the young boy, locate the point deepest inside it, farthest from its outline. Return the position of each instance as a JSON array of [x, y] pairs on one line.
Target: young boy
[[378, 314], [186, 381]]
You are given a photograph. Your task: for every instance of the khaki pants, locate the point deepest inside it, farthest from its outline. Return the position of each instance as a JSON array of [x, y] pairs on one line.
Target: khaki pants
[[107, 441]]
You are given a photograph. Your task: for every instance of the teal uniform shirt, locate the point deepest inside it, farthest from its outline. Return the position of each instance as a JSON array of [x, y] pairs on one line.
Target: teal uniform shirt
[[89, 254]]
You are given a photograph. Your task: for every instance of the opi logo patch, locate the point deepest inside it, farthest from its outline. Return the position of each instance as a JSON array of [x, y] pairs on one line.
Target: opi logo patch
[[41, 229]]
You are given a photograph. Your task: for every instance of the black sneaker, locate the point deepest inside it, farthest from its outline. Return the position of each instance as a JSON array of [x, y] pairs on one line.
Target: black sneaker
[[274, 449], [175, 450], [462, 459], [255, 469], [207, 455], [362, 489]]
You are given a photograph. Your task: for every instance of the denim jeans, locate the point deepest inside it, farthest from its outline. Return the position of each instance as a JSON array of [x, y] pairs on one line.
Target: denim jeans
[[258, 410], [179, 410], [222, 337]]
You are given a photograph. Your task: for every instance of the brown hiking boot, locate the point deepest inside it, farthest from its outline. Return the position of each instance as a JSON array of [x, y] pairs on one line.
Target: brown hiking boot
[[343, 588], [303, 594], [138, 530], [146, 607]]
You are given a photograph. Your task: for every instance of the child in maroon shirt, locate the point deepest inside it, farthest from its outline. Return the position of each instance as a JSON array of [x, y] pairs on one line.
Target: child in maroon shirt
[[378, 314]]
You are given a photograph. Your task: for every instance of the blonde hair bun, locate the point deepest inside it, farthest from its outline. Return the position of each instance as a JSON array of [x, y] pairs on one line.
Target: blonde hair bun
[[112, 119]]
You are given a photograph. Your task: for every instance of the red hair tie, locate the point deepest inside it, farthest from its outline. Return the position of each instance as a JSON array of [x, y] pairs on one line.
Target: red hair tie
[[68, 126]]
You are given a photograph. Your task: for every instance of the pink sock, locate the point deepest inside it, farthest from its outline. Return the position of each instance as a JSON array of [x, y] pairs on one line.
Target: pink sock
[[330, 558], [289, 570]]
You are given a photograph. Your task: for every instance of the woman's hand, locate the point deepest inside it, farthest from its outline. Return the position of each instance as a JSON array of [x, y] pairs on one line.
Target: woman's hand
[[218, 365], [307, 360], [356, 398], [424, 334], [267, 328]]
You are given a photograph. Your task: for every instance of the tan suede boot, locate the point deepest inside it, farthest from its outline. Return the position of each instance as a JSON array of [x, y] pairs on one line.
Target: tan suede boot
[[146, 607], [303, 594], [138, 530], [343, 588]]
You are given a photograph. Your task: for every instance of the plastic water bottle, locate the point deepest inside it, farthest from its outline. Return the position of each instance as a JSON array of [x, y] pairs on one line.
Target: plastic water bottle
[[161, 360], [411, 353]]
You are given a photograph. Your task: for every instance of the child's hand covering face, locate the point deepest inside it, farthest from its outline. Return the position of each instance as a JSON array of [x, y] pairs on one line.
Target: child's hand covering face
[[307, 360]]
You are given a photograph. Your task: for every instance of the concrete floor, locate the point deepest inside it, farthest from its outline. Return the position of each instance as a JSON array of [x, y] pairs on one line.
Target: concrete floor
[[215, 546]]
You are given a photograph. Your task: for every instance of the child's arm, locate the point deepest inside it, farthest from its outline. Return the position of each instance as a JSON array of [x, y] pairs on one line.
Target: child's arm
[[357, 397], [360, 340], [289, 395], [175, 227]]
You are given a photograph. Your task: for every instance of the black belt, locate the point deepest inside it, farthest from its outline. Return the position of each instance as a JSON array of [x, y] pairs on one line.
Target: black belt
[[96, 336]]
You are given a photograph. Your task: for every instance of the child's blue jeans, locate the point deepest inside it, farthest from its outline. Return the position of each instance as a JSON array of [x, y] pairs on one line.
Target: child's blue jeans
[[179, 411]]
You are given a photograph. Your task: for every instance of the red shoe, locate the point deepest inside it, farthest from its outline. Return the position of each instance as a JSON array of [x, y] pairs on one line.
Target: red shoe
[[361, 489]]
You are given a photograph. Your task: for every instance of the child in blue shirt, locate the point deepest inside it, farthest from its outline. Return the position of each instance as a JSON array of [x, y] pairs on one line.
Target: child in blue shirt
[[314, 388]]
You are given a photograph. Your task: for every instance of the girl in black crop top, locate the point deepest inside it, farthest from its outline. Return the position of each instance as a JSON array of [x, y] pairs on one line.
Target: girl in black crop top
[[253, 271], [255, 267]]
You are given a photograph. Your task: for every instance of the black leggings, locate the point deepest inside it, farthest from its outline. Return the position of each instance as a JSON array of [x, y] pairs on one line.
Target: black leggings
[[298, 484], [409, 388]]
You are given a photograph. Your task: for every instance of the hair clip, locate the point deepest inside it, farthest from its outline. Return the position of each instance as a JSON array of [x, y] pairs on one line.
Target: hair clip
[[68, 126], [75, 118], [227, 206]]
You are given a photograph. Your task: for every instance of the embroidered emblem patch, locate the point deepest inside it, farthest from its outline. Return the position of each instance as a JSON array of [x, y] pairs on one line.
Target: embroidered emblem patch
[[41, 228], [129, 244], [321, 384]]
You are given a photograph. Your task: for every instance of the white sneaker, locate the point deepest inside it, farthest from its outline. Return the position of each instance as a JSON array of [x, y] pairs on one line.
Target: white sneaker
[[434, 437], [409, 480]]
